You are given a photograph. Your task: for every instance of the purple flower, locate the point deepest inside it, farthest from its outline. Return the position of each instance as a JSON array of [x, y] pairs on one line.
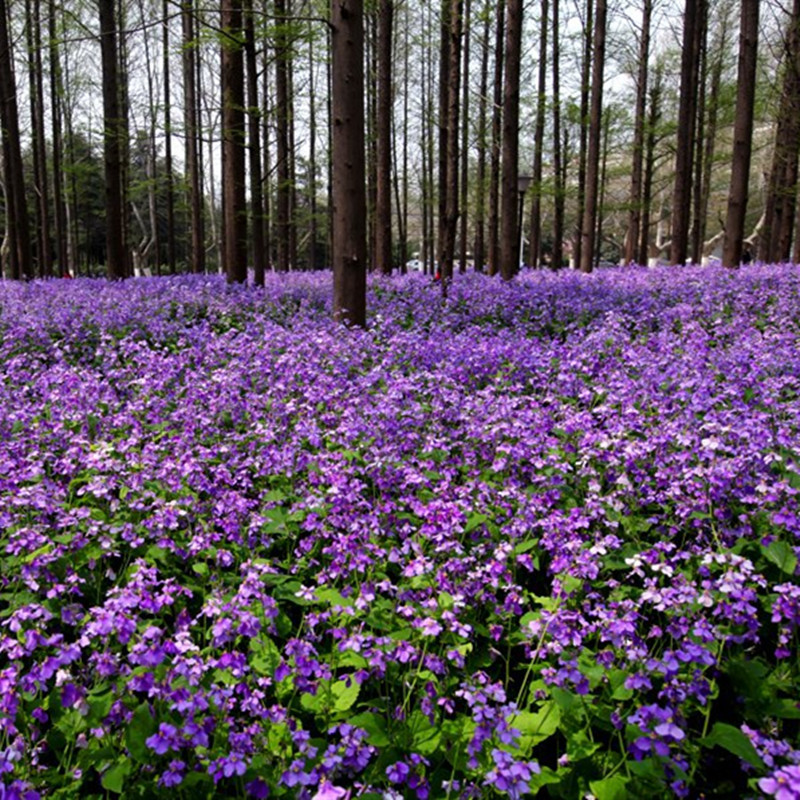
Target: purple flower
[[783, 784], [327, 791]]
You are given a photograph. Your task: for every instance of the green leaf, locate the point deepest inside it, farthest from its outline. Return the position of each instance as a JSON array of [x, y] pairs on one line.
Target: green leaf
[[114, 778], [426, 737], [344, 695], [782, 556], [734, 741], [474, 520], [537, 726], [141, 726], [374, 725], [613, 788]]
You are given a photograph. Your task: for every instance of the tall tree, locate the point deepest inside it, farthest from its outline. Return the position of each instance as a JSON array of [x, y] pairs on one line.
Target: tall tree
[[283, 204], [17, 210], [653, 120], [589, 224], [169, 183], [558, 178], [479, 254], [586, 71], [776, 233], [497, 131], [254, 150], [234, 206], [349, 169], [191, 115], [464, 149], [635, 213], [113, 133], [383, 187], [535, 252], [33, 27], [56, 93], [694, 13], [450, 161], [509, 246], [742, 134]]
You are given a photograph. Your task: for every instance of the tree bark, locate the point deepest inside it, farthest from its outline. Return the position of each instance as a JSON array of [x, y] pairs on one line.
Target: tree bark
[[776, 233], [348, 191], [283, 193], [497, 130], [234, 206], [112, 142], [383, 184], [589, 224], [586, 71], [464, 148], [258, 244], [535, 251], [557, 258], [169, 183], [509, 246], [732, 250], [479, 254], [684, 157], [197, 253], [56, 92], [635, 213]]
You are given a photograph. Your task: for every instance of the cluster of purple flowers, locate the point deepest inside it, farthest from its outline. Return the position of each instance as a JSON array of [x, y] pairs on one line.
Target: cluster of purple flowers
[[245, 550]]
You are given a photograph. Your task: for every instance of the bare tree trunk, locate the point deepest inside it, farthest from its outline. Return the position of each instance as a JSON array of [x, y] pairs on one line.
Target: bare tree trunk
[[349, 199], [56, 92], [588, 227], [34, 40], [383, 188], [448, 225], [776, 233], [732, 249], [558, 188], [169, 184], [479, 255], [697, 226], [586, 71], [254, 150], [234, 205], [635, 213], [694, 13], [654, 116], [535, 252], [497, 125], [464, 180], [197, 253], [112, 140], [283, 190], [509, 245]]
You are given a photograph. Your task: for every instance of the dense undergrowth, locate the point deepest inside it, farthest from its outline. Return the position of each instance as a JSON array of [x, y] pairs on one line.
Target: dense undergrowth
[[541, 538]]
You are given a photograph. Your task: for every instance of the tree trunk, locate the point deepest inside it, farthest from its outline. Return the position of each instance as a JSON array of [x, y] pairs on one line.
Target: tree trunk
[[684, 157], [653, 119], [448, 225], [169, 184], [283, 189], [588, 227], [776, 233], [635, 213], [464, 179], [34, 41], [509, 245], [586, 71], [732, 250], [254, 150], [197, 251], [383, 193], [535, 252], [479, 254], [56, 92], [349, 196], [112, 142], [557, 259], [234, 206], [497, 130]]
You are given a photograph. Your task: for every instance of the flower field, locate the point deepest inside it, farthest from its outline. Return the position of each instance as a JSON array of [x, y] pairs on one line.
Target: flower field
[[541, 539]]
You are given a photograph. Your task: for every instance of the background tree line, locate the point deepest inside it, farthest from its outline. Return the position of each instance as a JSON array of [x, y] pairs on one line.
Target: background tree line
[[184, 135]]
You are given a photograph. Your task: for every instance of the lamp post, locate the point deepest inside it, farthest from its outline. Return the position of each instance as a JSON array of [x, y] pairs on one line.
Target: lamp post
[[523, 182]]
